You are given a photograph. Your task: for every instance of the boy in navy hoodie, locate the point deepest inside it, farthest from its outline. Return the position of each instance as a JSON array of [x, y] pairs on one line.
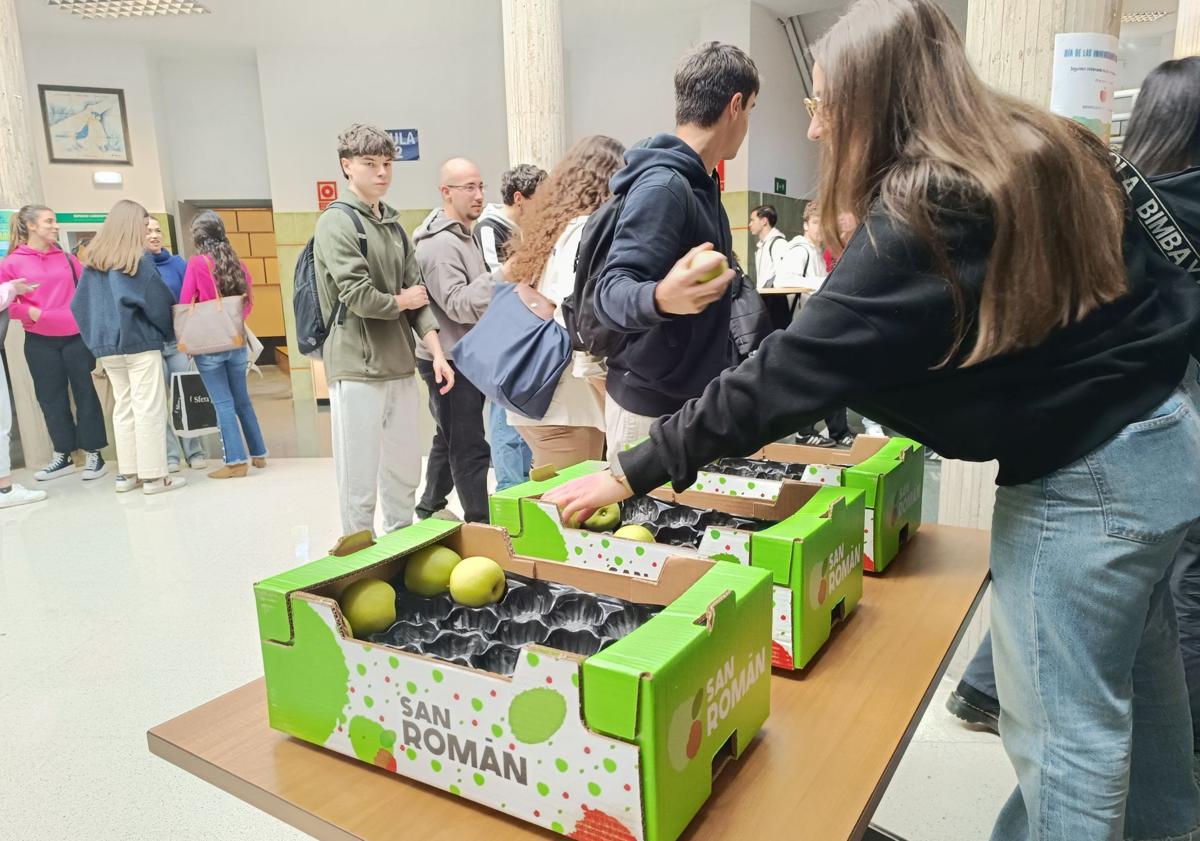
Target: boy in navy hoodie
[[678, 328], [171, 268]]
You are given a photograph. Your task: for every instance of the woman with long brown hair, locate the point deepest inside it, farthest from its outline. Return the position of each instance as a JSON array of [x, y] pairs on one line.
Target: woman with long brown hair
[[216, 270], [124, 315], [572, 430], [983, 310]]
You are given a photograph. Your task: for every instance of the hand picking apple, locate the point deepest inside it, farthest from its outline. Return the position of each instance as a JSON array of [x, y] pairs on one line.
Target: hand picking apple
[[690, 286], [580, 498]]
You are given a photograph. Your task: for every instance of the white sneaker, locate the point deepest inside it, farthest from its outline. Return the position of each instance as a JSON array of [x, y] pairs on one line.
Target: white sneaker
[[19, 495], [60, 465], [172, 467], [197, 462], [95, 466], [161, 486], [127, 483]]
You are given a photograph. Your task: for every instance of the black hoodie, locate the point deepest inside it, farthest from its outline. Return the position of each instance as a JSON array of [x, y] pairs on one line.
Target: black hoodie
[[873, 336], [671, 205]]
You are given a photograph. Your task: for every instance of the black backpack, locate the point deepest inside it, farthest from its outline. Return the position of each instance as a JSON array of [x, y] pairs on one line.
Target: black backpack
[[311, 328], [578, 308], [749, 319]]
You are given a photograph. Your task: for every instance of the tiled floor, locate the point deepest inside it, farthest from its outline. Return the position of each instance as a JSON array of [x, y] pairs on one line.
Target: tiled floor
[[118, 612]]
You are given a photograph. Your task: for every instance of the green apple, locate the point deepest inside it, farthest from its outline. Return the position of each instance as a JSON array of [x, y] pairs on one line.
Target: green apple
[[635, 532], [427, 572], [606, 518], [369, 605], [713, 263], [477, 581]]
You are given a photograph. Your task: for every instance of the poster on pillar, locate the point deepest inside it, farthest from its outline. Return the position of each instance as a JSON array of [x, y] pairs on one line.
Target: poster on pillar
[[1085, 77]]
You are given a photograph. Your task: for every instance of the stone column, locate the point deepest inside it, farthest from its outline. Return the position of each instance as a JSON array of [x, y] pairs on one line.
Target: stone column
[[533, 81], [1187, 29], [19, 184], [1011, 44]]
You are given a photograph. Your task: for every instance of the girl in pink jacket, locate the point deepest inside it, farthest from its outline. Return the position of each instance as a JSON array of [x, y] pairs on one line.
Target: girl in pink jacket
[[10, 494], [59, 361]]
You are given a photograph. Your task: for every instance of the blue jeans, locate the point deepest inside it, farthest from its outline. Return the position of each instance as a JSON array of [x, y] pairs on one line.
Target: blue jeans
[[224, 376], [1094, 708], [176, 361], [511, 456]]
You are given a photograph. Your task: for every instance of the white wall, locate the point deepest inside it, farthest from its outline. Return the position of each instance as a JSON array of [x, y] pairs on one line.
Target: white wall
[[620, 80], [779, 123], [449, 85], [211, 124], [69, 187]]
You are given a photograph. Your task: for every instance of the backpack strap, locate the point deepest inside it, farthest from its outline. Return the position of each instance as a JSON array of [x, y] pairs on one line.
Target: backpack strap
[[339, 309], [1155, 217]]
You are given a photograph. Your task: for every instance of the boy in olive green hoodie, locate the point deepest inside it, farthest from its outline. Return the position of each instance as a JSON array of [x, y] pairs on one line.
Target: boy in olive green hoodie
[[370, 353]]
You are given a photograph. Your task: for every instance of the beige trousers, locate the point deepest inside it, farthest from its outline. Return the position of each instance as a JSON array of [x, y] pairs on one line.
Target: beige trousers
[[139, 413], [624, 428], [563, 446]]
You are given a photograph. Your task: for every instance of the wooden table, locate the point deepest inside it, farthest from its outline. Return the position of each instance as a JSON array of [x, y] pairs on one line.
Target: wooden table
[[819, 769], [789, 290]]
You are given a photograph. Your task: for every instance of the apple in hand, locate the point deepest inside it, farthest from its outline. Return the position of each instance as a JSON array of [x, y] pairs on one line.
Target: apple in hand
[[427, 572], [369, 605], [606, 518], [477, 581], [713, 263], [635, 532]]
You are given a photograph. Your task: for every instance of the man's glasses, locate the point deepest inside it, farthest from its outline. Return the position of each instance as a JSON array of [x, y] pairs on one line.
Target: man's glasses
[[813, 105], [470, 188]]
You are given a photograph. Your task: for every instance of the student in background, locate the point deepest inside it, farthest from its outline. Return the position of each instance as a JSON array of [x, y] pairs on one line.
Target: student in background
[[497, 233], [11, 494], [171, 268], [370, 353], [215, 267], [460, 289], [124, 315], [771, 245], [572, 430], [803, 263], [59, 362], [498, 230]]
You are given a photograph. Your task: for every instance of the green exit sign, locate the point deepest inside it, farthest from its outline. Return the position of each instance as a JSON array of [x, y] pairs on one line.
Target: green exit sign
[[781, 186]]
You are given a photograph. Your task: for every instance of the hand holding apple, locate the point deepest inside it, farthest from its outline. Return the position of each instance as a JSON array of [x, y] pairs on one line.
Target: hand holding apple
[[690, 287], [580, 498]]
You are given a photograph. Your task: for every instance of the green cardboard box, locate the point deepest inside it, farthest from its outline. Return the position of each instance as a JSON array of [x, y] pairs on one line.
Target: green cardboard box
[[889, 471], [623, 744], [811, 549]]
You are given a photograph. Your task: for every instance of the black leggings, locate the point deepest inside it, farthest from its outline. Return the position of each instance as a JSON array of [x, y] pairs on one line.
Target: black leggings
[[61, 367]]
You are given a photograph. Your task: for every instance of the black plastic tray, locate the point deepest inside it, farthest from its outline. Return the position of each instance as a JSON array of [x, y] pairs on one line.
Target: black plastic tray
[[681, 525], [491, 637], [754, 469]]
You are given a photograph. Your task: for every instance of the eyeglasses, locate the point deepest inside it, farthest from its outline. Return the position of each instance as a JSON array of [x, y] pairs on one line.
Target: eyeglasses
[[813, 105], [470, 188]]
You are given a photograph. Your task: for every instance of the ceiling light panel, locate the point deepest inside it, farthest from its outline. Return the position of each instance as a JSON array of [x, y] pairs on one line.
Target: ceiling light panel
[[99, 9], [1143, 17]]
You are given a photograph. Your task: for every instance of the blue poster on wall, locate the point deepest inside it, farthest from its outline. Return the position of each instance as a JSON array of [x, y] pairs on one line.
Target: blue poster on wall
[[408, 145]]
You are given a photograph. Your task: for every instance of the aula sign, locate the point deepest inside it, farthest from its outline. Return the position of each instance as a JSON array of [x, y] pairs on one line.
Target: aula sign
[[408, 144]]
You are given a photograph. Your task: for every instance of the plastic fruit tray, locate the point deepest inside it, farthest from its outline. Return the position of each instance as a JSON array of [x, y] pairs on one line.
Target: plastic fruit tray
[[531, 612], [681, 525]]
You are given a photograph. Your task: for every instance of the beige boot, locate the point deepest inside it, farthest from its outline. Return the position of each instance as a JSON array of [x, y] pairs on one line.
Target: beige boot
[[260, 463], [230, 471]]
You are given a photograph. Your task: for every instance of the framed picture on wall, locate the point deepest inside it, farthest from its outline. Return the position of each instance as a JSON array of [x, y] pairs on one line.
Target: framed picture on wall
[[85, 125]]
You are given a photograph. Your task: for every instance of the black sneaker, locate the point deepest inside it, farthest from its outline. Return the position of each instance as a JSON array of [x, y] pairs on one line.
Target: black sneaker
[[846, 440], [815, 441], [95, 466], [60, 465], [977, 709]]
